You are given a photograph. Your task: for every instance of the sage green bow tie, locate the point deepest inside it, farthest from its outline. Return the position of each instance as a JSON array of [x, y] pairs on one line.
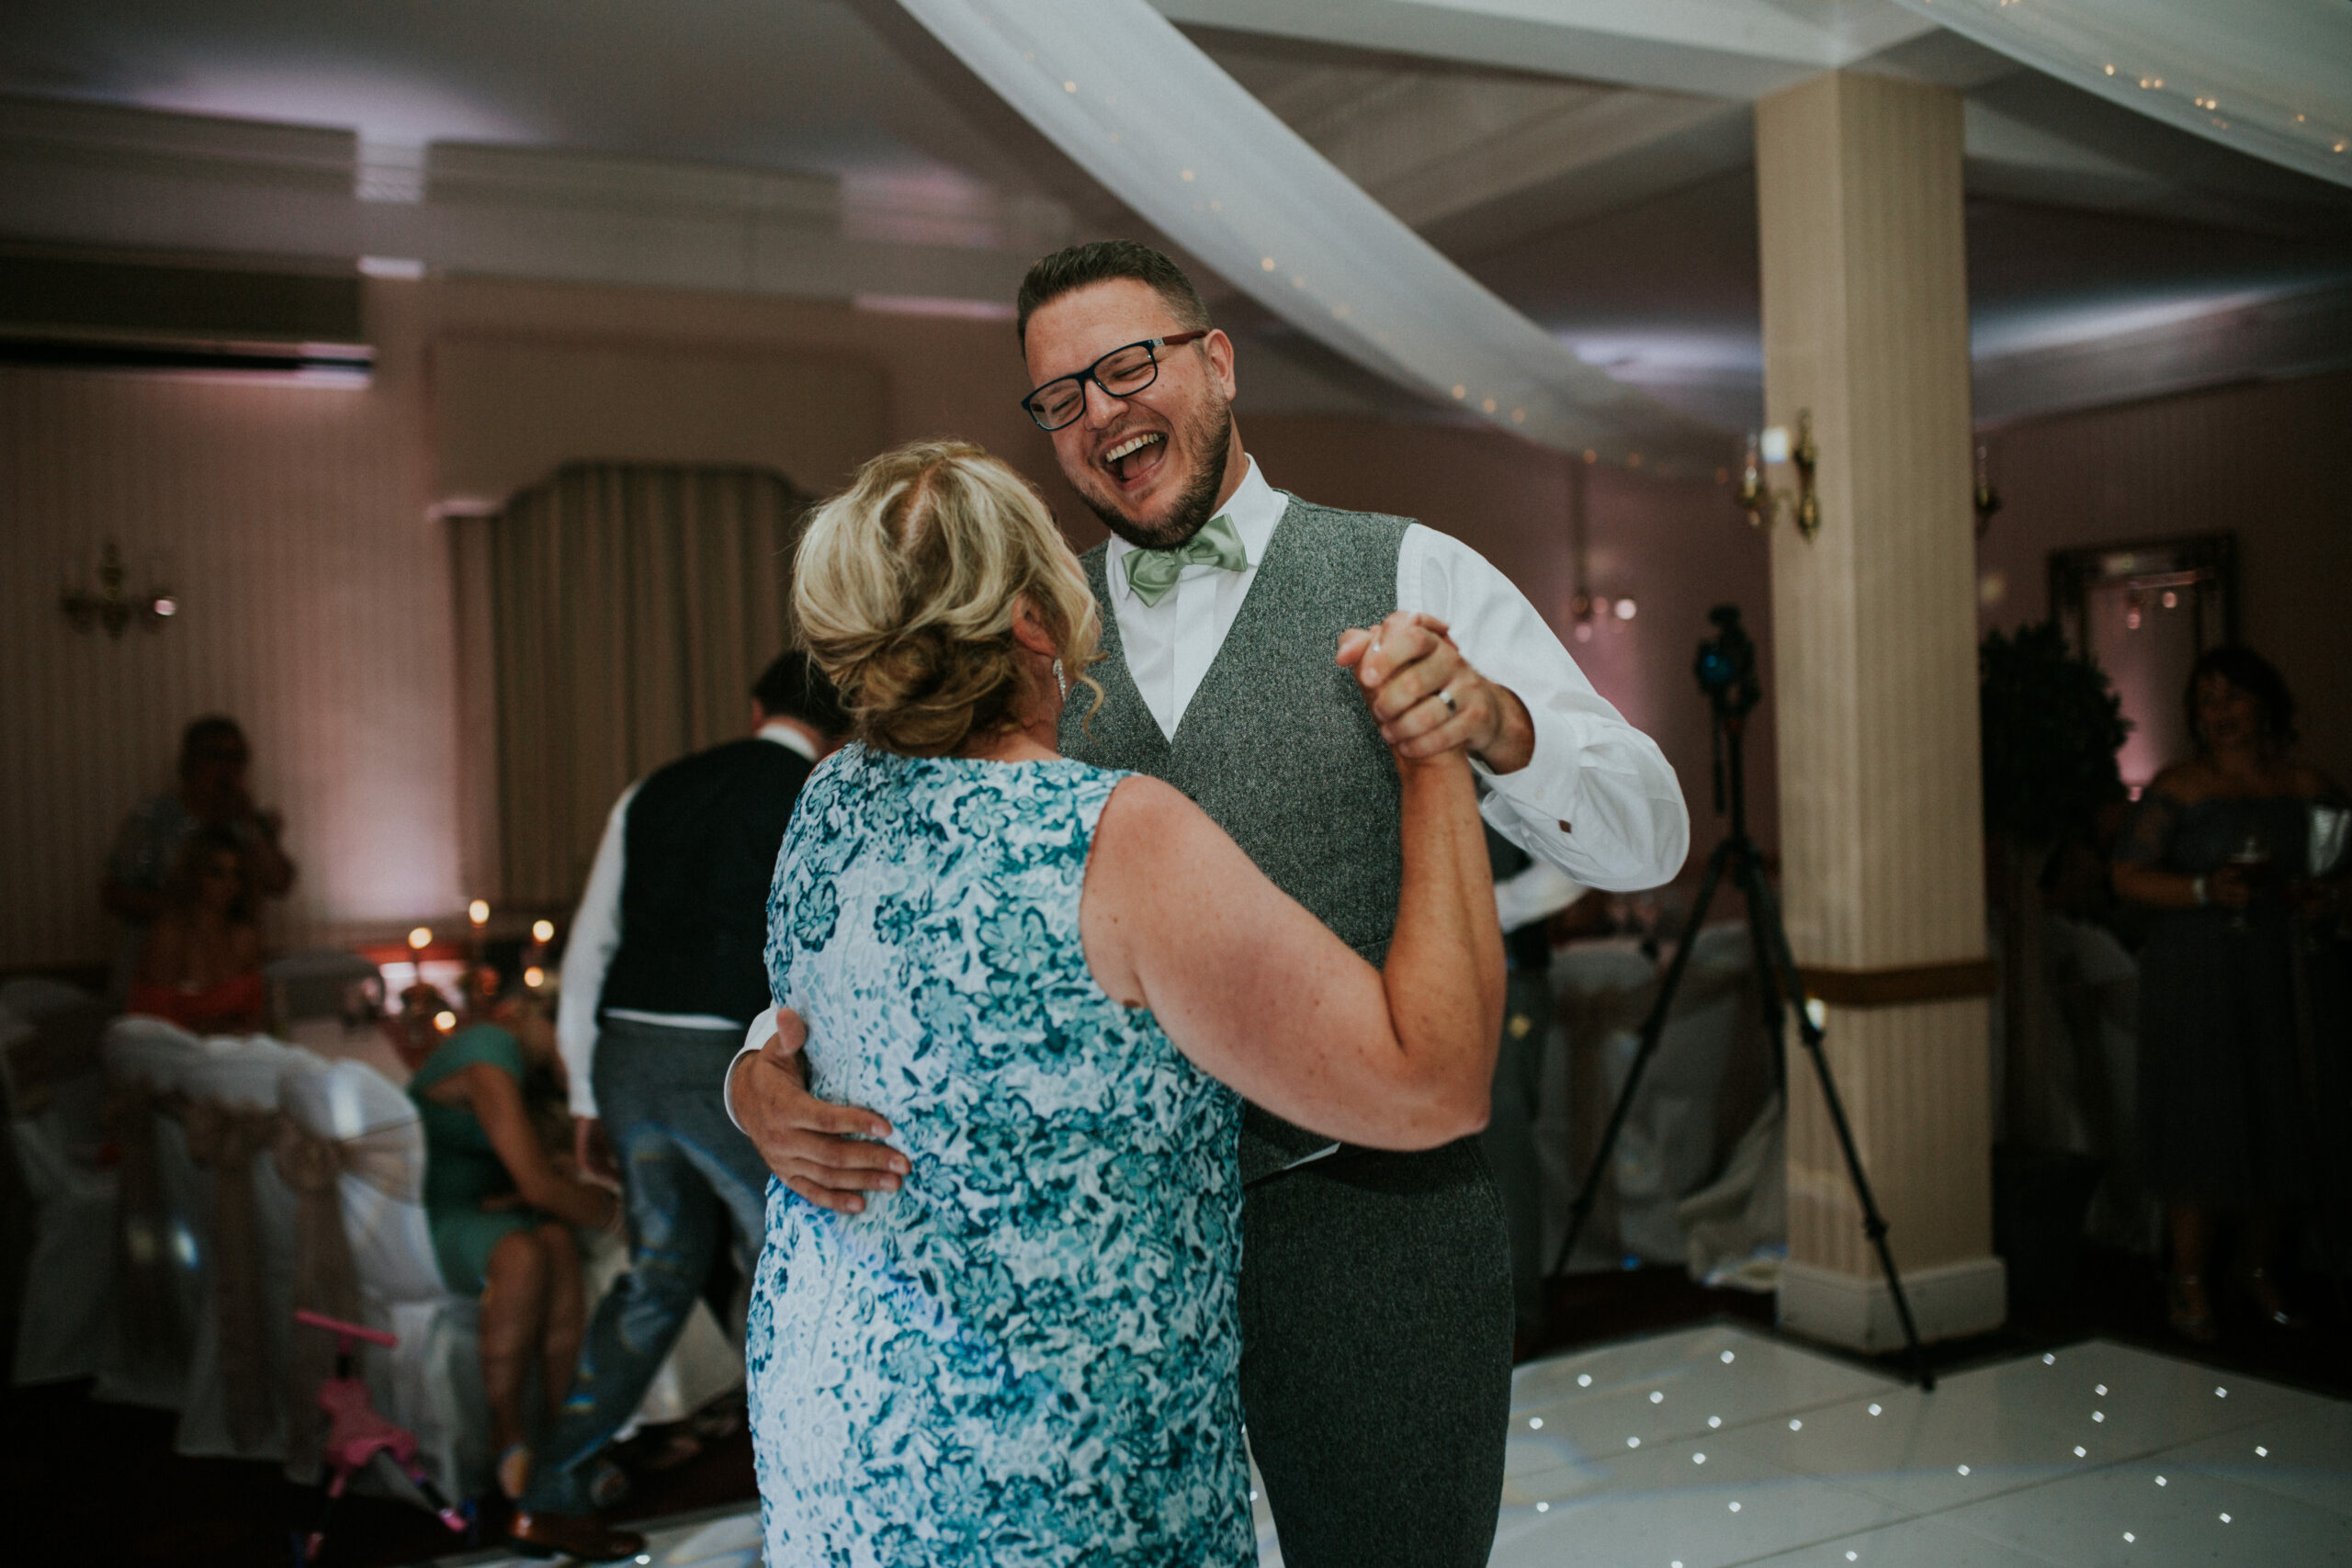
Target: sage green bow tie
[[1152, 574]]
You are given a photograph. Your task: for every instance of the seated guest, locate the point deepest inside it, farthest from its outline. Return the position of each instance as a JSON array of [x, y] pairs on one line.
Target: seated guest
[[211, 797], [501, 1211], [201, 964]]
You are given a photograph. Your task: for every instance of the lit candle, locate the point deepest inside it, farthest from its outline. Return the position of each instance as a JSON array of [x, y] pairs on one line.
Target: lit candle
[[418, 940], [477, 912]]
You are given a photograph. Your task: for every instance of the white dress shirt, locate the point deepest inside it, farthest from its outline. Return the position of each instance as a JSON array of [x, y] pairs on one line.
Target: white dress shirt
[[596, 936], [1597, 799], [1540, 892]]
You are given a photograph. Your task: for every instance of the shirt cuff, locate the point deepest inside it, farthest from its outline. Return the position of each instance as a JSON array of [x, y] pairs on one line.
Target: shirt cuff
[[762, 1031], [1548, 783]]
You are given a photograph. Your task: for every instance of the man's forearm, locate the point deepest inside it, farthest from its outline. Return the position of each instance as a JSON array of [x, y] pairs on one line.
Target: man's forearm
[[1513, 745]]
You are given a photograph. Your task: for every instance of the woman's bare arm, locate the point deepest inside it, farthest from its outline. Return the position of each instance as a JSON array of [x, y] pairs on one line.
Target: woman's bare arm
[[1261, 994], [497, 1101]]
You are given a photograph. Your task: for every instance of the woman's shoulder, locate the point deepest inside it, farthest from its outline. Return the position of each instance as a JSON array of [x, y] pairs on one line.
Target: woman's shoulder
[[480, 1044], [1148, 825], [2183, 783]]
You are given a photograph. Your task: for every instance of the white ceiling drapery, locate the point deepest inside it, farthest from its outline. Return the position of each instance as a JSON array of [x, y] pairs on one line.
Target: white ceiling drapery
[[2268, 77], [1159, 124]]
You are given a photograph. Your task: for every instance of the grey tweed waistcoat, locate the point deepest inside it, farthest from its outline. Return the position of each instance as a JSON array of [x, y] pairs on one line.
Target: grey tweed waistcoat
[[1277, 746]]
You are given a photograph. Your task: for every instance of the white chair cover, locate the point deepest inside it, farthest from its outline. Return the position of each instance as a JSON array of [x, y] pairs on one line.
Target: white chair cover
[[326, 983], [431, 1384], [239, 1078], [57, 1130], [2095, 984], [1600, 991], [148, 1057], [1668, 1148], [431, 1381]]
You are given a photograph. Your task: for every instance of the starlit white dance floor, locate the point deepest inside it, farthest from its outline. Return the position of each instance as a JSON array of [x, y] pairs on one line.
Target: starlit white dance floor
[[1721, 1446]]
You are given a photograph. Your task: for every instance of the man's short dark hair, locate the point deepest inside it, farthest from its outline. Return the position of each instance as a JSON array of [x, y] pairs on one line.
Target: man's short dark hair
[[793, 687], [215, 734], [1100, 261]]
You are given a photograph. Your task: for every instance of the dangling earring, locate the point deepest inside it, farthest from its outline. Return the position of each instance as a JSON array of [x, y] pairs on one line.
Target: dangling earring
[[1061, 681]]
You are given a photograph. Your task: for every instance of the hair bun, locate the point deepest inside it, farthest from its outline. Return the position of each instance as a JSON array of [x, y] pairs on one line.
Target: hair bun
[[905, 588]]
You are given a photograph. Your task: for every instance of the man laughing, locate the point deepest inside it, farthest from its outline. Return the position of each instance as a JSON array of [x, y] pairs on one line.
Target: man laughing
[[1376, 1308]]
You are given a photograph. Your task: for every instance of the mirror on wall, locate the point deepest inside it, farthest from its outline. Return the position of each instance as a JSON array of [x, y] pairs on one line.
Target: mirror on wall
[[2145, 610]]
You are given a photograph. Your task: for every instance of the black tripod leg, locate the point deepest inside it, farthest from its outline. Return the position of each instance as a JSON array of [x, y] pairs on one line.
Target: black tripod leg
[[1767, 974], [1762, 910], [1652, 1028]]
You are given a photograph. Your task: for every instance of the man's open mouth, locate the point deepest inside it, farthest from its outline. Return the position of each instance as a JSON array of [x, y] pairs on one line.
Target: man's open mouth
[[1135, 456]]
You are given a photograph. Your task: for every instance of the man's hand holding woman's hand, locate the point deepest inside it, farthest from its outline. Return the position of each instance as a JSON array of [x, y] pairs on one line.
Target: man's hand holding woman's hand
[[828, 1154], [1426, 698]]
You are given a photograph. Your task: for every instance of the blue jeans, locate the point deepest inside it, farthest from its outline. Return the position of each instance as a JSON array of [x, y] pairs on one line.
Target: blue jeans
[[686, 1173]]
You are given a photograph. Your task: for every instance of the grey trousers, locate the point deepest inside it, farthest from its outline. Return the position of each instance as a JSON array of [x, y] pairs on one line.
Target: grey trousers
[[1509, 1142], [1376, 1359]]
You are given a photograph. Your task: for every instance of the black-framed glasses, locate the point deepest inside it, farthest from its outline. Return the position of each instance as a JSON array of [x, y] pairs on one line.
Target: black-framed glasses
[[1122, 373]]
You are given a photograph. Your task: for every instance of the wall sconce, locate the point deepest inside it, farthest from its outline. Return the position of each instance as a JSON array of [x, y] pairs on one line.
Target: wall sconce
[[1988, 499], [109, 606], [1761, 501], [1582, 607]]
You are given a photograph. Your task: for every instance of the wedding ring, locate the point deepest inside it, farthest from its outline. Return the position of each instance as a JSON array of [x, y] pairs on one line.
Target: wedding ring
[[1445, 696]]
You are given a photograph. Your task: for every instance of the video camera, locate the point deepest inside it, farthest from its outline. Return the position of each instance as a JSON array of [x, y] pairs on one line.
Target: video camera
[[1727, 665]]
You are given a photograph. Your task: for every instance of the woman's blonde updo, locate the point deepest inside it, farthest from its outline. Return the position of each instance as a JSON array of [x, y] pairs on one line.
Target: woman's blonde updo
[[905, 587]]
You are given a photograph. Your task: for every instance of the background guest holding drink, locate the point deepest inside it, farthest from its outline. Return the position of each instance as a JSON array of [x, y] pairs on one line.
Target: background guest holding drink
[[2217, 852]]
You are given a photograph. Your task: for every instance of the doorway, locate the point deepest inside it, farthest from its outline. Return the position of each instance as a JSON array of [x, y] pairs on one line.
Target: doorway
[[2146, 612]]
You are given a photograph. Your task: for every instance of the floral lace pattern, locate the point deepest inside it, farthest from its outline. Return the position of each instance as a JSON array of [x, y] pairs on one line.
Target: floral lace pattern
[[1028, 1354]]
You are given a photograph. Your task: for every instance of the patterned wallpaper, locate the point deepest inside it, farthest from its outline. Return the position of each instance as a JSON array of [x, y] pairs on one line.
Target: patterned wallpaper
[[315, 608]]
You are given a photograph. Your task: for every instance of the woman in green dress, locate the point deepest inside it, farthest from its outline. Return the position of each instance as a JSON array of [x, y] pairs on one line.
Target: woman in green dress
[[502, 1212]]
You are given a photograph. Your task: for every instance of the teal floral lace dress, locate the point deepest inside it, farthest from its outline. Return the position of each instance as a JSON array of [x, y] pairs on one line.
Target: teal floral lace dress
[[1028, 1355]]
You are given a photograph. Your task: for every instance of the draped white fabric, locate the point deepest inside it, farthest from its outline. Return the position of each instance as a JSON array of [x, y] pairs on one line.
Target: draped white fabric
[[2270, 77], [1133, 102]]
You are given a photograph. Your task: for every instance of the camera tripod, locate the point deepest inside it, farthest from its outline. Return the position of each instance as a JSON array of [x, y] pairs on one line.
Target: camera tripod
[[1726, 672]]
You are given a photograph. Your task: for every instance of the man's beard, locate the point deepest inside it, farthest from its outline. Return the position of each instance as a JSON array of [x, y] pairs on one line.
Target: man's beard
[[1212, 435]]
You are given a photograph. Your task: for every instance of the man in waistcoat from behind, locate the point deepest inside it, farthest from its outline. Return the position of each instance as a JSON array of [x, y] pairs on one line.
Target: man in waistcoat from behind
[[1375, 1297], [663, 971]]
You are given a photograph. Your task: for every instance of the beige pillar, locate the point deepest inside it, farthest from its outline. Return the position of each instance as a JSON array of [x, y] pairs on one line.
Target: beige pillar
[[1874, 645]]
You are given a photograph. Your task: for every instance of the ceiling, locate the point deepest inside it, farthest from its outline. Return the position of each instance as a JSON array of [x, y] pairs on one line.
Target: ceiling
[[1589, 160]]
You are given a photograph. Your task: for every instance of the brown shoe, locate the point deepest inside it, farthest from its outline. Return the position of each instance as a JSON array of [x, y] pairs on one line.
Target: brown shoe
[[2190, 1310], [583, 1536]]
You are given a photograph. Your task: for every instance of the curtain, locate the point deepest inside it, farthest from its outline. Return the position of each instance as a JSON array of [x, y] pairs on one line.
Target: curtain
[[2270, 77], [628, 610], [1138, 106]]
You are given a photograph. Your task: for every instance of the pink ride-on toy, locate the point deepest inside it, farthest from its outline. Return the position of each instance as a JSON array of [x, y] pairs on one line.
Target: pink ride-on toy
[[358, 1438]]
